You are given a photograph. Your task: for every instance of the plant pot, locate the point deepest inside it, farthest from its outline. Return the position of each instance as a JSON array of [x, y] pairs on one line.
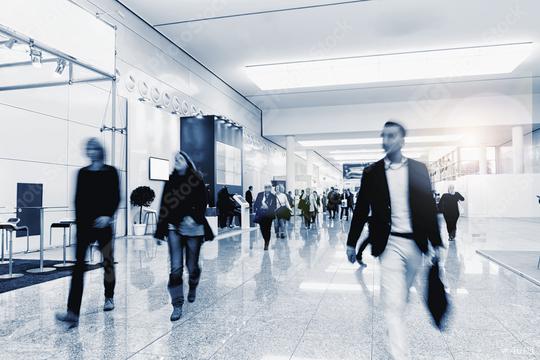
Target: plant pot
[[139, 229]]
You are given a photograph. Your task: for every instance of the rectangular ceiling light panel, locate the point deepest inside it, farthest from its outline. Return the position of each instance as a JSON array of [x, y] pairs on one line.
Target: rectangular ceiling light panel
[[364, 157], [432, 64], [364, 151], [375, 141]]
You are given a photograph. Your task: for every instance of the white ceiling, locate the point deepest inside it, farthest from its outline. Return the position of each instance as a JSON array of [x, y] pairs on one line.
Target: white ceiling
[[227, 44], [227, 35]]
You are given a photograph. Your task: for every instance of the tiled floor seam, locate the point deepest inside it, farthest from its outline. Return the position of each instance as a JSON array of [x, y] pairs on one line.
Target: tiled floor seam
[[315, 312], [518, 338], [206, 308], [298, 269], [191, 317]]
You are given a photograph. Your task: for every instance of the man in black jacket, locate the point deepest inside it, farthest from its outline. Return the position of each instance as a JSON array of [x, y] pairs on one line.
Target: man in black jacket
[[265, 212], [249, 197], [397, 190]]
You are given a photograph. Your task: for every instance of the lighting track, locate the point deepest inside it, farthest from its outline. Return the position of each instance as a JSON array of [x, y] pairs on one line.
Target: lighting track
[[262, 12]]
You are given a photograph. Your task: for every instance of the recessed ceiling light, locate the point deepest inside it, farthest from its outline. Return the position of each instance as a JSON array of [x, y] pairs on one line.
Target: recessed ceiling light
[[369, 151], [375, 141], [428, 64], [365, 157]]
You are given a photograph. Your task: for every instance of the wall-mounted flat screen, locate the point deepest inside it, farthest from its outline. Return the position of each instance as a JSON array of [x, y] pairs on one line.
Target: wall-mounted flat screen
[[158, 168], [228, 164]]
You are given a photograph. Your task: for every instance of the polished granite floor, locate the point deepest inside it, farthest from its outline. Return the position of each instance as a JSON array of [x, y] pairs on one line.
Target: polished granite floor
[[301, 300]]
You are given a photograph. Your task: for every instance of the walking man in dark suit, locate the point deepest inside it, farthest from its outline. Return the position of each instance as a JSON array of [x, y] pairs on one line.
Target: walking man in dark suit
[[265, 212], [397, 190]]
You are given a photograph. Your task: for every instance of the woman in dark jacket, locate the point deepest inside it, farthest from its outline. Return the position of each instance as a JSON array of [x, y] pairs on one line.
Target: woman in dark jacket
[[182, 219]]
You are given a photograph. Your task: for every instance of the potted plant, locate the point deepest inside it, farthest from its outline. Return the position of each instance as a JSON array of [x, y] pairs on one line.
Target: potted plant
[[141, 197]]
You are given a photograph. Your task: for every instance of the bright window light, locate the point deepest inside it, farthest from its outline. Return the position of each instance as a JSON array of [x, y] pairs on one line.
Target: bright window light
[[378, 141], [430, 64]]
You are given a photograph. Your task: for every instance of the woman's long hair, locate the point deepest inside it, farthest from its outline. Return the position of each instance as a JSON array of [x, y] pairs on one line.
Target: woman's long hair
[[192, 168]]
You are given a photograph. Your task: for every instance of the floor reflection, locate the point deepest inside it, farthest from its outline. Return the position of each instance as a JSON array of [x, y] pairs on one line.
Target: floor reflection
[[299, 300]]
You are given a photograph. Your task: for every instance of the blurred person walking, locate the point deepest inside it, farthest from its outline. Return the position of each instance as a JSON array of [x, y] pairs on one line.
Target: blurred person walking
[[283, 212], [249, 197], [334, 199], [308, 206], [344, 205], [97, 196], [448, 205], [182, 220], [265, 209], [397, 190]]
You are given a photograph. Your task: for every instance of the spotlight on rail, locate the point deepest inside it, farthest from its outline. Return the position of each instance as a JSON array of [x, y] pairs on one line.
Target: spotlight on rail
[[60, 66], [35, 57], [9, 44]]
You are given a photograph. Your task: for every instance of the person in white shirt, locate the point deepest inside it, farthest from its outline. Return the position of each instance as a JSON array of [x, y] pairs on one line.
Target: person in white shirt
[[309, 207], [398, 193]]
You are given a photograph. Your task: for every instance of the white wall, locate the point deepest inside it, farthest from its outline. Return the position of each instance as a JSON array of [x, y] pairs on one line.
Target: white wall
[[152, 133], [44, 131], [146, 55], [501, 195]]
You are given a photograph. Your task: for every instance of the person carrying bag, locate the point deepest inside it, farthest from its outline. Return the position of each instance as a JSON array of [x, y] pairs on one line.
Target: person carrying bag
[[282, 213], [265, 207]]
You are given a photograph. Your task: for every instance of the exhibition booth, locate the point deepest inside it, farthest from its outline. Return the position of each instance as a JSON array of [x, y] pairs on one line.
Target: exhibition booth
[[58, 91]]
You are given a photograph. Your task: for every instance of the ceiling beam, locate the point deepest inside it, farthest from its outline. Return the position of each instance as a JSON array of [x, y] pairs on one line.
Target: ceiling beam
[[262, 12]]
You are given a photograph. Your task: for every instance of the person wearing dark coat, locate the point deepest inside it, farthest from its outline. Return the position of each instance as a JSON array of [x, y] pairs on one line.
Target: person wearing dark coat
[[350, 201], [290, 198], [450, 209], [226, 206], [334, 199], [397, 191], [182, 220], [345, 204], [96, 200], [265, 212], [249, 197]]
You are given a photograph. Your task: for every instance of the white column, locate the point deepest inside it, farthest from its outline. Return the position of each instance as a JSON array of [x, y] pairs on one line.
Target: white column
[[517, 149], [310, 156], [458, 162], [482, 151], [291, 163]]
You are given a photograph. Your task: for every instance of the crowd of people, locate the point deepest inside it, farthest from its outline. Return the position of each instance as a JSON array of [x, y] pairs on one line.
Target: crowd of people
[[395, 200]]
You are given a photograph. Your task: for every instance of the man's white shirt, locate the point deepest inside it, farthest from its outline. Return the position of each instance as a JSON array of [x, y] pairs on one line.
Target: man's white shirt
[[397, 176]]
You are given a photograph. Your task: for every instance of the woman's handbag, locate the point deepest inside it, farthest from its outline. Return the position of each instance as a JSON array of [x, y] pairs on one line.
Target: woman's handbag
[[283, 211], [208, 233]]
